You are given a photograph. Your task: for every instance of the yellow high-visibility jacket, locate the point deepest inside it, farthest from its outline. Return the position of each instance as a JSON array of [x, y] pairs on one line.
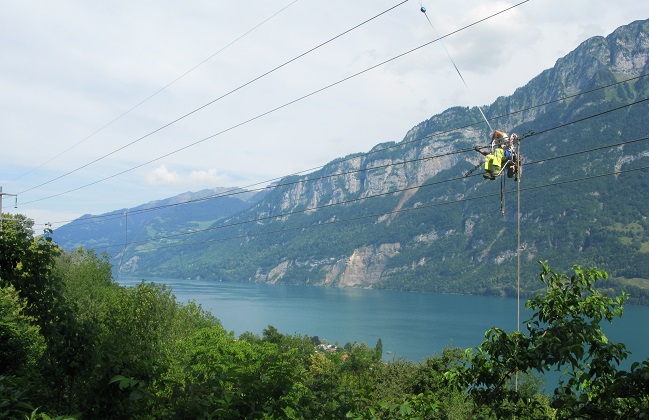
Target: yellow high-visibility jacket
[[493, 161]]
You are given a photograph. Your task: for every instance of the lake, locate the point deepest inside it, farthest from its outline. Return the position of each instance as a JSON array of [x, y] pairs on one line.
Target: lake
[[410, 325]]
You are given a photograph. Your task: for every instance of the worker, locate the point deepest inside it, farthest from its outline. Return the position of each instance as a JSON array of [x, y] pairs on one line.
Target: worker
[[494, 159]]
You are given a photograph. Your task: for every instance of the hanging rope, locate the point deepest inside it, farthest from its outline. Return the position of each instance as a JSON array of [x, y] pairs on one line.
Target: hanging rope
[[502, 193], [423, 10], [518, 245], [517, 168], [519, 163]]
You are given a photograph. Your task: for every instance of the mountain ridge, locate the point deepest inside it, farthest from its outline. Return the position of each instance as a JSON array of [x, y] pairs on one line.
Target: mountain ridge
[[465, 245]]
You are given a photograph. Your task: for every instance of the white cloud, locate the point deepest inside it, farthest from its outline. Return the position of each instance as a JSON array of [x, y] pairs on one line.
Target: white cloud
[[193, 179], [161, 176], [205, 178]]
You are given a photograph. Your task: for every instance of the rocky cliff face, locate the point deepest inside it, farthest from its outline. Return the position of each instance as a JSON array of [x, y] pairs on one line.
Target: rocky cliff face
[[623, 54], [362, 269], [423, 154], [386, 168]]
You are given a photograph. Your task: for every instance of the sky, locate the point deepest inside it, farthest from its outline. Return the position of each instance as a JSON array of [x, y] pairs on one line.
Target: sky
[[109, 105]]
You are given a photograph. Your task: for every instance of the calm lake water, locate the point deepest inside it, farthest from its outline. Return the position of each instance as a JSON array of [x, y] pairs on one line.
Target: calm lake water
[[410, 325]]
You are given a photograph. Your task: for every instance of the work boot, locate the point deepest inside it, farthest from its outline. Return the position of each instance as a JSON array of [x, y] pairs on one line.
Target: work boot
[[488, 175]]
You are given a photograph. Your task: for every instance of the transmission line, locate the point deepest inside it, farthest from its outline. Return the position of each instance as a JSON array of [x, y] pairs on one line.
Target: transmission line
[[155, 93], [204, 106], [228, 194], [331, 222], [250, 119], [243, 190], [310, 209]]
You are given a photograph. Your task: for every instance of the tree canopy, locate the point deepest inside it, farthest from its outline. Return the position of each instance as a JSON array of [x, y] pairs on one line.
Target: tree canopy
[[75, 344]]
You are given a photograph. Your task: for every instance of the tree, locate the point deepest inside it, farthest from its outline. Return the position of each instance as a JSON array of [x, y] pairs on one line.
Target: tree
[[26, 263], [21, 344], [378, 348], [564, 333]]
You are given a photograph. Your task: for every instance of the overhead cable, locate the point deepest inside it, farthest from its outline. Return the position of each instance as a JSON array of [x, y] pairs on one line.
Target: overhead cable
[[241, 190], [402, 210], [206, 105], [248, 120], [157, 92], [528, 135], [399, 190]]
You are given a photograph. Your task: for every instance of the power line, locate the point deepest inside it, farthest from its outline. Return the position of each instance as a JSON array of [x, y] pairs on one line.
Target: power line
[[2, 195], [157, 92], [206, 105], [241, 190], [377, 195], [310, 209], [331, 222], [250, 119], [111, 216], [228, 194], [591, 116]]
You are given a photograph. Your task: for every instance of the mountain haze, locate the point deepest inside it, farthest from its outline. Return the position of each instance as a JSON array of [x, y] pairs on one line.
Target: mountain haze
[[182, 213], [403, 216]]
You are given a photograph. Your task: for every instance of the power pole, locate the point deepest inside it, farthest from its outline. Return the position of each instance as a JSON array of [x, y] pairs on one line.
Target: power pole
[[1, 198]]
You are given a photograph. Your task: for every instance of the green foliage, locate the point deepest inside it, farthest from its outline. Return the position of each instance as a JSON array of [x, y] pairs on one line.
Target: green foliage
[[228, 378], [21, 345], [563, 334], [415, 407], [26, 263], [15, 397], [106, 351], [395, 380], [27, 266], [142, 331]]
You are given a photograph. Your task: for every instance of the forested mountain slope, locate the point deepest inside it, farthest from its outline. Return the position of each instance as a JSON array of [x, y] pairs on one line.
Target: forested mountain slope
[[172, 216], [403, 215]]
